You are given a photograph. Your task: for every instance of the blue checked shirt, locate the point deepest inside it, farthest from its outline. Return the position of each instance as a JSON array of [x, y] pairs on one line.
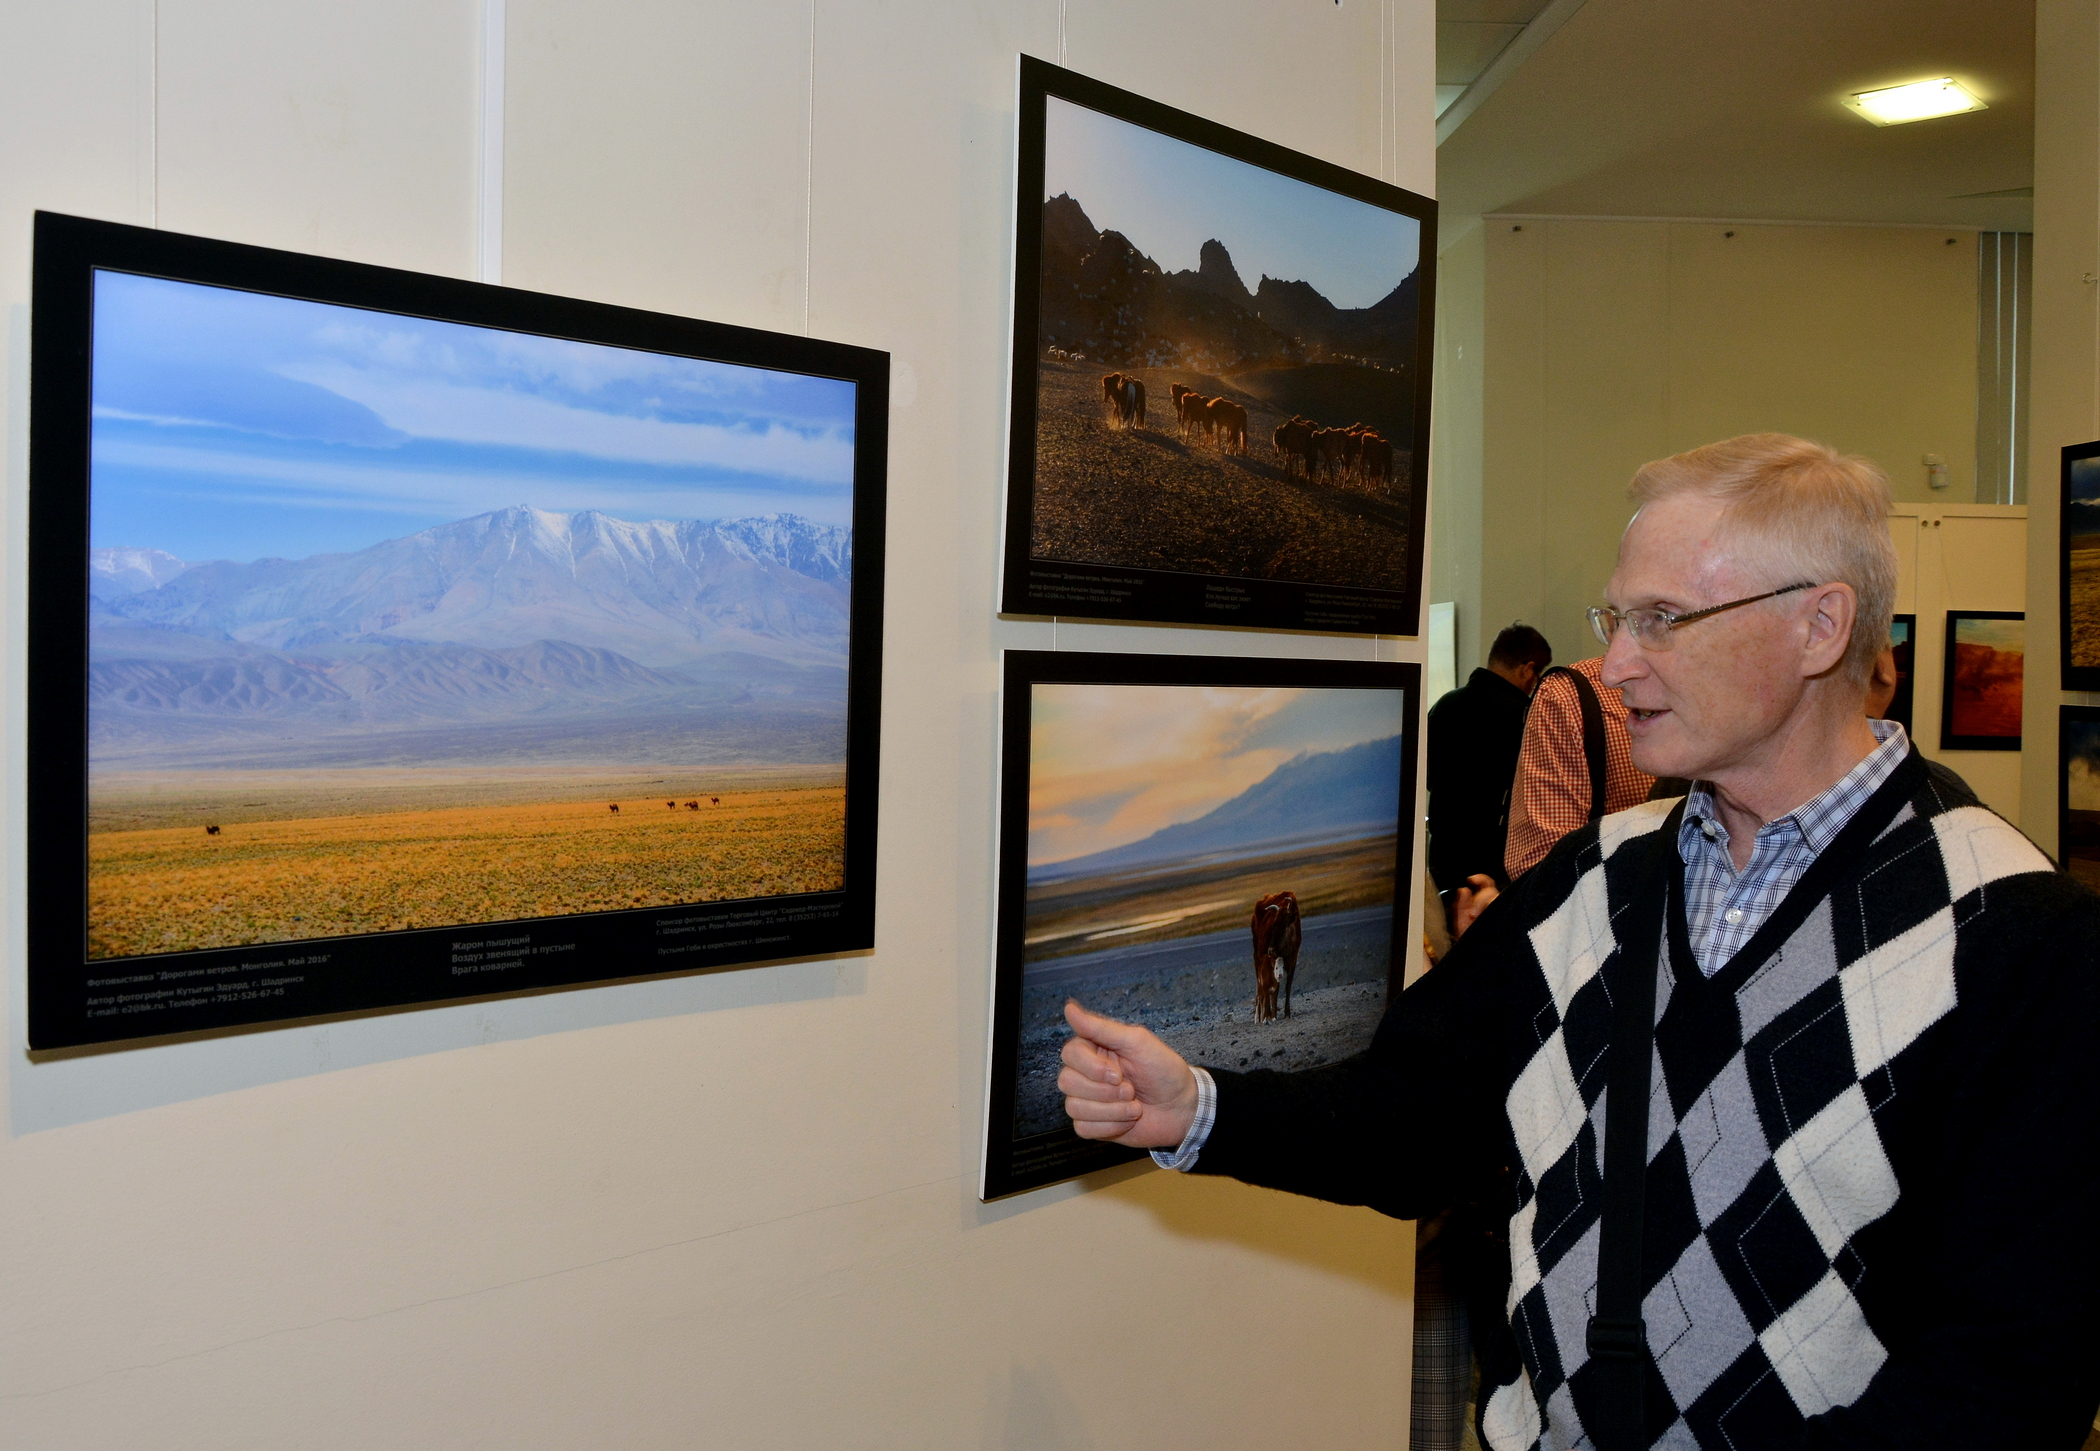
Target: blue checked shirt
[[1723, 908]]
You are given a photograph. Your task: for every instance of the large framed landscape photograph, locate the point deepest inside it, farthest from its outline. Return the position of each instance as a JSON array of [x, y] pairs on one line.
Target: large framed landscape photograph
[[1221, 357], [2079, 569], [397, 639], [1219, 849]]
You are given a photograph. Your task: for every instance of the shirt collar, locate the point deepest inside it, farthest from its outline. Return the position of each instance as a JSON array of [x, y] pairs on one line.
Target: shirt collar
[[1820, 820]]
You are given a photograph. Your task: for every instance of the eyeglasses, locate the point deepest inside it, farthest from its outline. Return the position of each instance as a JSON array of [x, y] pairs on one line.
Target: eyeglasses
[[1651, 628]]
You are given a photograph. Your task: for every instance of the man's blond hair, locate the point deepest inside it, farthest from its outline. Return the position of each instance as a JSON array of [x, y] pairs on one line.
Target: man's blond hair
[[1801, 512]]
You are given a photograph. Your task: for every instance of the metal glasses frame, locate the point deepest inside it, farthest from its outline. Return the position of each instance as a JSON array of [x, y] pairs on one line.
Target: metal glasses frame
[[1604, 620]]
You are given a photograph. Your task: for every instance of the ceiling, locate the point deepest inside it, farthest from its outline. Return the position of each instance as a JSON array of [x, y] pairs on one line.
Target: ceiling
[[1469, 35], [1733, 109]]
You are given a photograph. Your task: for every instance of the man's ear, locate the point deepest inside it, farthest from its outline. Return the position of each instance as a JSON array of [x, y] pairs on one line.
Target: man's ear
[[1833, 607]]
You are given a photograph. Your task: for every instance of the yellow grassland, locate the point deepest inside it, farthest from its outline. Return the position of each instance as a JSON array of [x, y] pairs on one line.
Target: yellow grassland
[[172, 889], [2085, 599]]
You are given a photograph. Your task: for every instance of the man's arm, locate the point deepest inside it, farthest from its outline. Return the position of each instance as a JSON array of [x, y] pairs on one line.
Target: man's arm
[[1399, 1127], [1551, 796]]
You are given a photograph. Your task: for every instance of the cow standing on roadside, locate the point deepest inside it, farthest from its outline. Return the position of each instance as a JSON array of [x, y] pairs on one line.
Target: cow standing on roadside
[[1277, 935]]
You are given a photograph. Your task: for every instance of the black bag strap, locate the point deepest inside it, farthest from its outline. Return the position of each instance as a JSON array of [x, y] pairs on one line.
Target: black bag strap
[[1593, 748], [1617, 1337]]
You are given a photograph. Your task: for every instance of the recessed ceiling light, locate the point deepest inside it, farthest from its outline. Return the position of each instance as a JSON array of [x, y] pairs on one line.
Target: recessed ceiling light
[[1919, 101]]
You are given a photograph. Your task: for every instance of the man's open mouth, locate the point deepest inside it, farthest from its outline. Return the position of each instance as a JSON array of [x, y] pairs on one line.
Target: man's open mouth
[[1639, 714]]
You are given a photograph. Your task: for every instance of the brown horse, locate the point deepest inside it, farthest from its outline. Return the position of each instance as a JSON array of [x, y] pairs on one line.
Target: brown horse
[[1277, 935]]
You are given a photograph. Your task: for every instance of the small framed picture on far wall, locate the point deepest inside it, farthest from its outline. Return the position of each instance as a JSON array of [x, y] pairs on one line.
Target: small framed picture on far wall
[[1903, 639], [2078, 792], [1986, 666]]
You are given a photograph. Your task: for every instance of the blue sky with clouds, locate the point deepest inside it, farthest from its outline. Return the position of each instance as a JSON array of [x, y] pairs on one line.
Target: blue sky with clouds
[[237, 425], [1169, 198]]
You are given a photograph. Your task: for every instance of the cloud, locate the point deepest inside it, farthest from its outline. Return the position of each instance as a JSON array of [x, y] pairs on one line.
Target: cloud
[[229, 477], [1111, 764], [464, 414]]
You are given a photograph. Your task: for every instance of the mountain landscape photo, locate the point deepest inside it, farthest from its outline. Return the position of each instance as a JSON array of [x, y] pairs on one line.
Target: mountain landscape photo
[[1189, 420], [1157, 931], [428, 729], [396, 622], [515, 636]]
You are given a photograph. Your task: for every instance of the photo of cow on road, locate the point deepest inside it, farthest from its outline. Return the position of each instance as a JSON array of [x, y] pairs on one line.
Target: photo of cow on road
[[1275, 325], [1176, 813]]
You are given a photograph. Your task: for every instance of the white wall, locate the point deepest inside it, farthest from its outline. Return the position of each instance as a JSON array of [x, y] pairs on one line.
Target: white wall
[[2064, 406], [1608, 343], [728, 1210]]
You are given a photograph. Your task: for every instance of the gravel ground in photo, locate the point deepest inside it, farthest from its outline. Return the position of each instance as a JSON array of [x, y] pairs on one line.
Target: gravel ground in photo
[[1145, 499], [1198, 995]]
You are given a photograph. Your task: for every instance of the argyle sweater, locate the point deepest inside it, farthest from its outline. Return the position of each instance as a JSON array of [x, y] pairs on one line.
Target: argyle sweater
[[1873, 1135]]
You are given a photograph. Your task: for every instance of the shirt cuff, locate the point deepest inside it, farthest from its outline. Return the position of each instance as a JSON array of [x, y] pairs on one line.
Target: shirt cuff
[[1183, 1158]]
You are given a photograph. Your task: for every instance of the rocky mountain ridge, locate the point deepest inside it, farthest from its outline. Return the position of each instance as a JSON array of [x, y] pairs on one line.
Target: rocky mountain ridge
[[556, 632], [1103, 297], [661, 592]]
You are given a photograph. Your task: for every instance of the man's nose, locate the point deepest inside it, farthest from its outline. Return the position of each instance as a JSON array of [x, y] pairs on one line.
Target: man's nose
[[1623, 659]]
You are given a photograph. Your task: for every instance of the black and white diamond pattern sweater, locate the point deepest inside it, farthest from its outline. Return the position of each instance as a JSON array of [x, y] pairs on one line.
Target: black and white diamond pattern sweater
[[1873, 1142]]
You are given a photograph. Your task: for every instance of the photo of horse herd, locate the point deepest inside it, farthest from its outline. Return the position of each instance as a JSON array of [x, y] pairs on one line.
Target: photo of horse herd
[[1356, 455], [1193, 419]]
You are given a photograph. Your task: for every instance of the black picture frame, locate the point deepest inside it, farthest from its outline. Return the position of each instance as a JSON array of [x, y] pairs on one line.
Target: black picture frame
[[143, 989], [1020, 1156], [2078, 611], [1903, 638], [1337, 556], [1956, 721], [2078, 827]]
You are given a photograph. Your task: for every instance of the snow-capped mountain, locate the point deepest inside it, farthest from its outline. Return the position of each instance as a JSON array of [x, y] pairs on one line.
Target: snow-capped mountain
[[660, 593], [521, 633], [113, 573]]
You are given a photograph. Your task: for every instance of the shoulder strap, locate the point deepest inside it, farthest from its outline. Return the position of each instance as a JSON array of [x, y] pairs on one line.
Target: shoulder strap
[[1593, 748], [1617, 1336]]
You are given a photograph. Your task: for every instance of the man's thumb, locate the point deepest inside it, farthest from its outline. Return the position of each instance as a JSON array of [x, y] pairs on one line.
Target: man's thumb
[[1110, 1034]]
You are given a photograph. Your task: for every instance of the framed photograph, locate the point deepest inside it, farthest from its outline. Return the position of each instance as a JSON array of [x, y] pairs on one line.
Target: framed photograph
[[1903, 638], [1220, 374], [1219, 849], [396, 639], [2078, 792], [1986, 660], [2079, 571]]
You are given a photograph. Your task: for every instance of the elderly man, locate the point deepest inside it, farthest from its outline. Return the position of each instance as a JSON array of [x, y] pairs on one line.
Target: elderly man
[[1855, 1010]]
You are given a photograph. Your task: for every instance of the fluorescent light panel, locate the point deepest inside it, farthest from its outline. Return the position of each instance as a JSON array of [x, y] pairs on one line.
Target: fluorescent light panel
[[1919, 101]]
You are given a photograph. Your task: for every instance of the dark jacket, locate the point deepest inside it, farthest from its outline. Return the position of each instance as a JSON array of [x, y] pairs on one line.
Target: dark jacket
[[1474, 735], [1872, 1155]]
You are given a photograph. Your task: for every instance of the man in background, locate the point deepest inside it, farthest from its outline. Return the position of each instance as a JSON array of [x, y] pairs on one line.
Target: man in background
[[1474, 732], [1574, 737]]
